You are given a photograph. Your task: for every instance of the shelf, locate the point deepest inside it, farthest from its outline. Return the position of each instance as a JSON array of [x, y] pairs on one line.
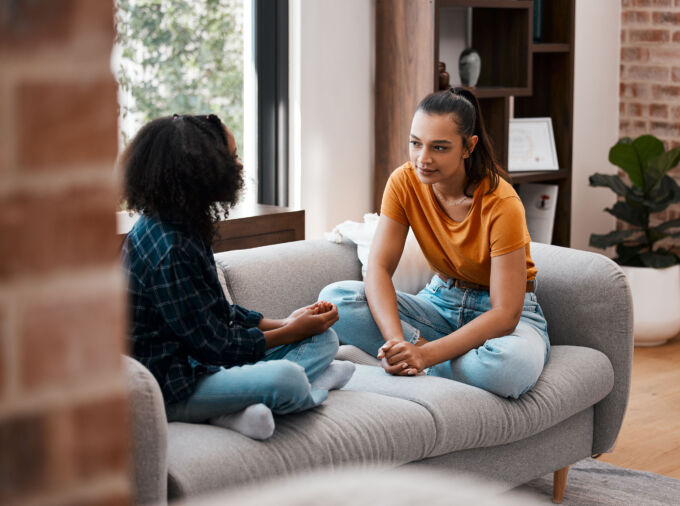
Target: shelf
[[500, 92], [541, 47], [539, 176], [495, 4], [506, 66]]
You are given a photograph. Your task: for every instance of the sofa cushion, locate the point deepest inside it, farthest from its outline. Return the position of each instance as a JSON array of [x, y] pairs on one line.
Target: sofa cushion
[[278, 279], [350, 427], [468, 417]]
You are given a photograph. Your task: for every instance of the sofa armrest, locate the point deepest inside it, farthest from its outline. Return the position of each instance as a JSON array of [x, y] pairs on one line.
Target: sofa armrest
[[149, 434], [587, 302]]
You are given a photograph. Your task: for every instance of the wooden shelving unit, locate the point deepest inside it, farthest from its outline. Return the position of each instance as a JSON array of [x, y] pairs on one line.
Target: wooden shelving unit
[[541, 176], [551, 48], [535, 76]]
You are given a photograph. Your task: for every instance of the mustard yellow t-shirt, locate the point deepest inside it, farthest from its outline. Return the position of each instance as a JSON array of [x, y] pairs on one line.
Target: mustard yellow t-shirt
[[494, 226]]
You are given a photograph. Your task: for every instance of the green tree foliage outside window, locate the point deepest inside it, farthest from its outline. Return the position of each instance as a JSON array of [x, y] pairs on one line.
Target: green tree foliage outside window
[[181, 56]]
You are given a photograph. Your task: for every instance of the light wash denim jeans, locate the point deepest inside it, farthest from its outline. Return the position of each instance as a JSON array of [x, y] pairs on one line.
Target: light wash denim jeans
[[283, 380], [507, 366]]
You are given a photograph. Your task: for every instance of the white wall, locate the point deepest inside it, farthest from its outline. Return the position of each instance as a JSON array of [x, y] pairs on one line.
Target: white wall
[[596, 115], [332, 110]]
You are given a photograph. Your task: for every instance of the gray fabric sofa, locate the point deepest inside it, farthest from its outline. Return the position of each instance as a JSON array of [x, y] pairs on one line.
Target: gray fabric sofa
[[575, 410]]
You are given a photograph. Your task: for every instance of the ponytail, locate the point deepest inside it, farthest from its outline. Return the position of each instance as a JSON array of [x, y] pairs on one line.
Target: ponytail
[[463, 105]]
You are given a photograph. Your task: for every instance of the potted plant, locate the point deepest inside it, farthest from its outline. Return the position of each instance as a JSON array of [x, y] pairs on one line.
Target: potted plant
[[653, 271]]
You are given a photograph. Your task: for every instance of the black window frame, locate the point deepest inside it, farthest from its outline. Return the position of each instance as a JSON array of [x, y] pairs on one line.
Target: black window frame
[[270, 19]]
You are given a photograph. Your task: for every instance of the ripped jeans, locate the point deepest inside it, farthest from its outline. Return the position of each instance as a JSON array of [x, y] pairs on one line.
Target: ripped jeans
[[507, 366]]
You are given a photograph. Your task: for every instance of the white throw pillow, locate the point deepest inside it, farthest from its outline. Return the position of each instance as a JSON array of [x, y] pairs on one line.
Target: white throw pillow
[[413, 271]]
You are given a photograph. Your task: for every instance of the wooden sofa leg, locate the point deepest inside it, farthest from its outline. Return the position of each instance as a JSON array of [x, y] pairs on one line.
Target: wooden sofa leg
[[559, 484]]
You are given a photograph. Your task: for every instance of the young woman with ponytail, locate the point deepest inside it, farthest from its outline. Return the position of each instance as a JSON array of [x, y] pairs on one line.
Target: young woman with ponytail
[[477, 321]]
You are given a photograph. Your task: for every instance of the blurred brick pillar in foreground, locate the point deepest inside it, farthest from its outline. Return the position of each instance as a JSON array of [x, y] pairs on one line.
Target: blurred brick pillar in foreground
[[63, 416]]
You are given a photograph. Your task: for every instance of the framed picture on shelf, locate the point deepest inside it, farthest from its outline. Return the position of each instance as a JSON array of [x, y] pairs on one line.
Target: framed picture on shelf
[[531, 145]]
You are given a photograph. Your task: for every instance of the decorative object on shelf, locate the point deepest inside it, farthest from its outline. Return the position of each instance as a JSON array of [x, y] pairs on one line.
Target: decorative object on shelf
[[531, 145], [653, 272], [469, 67], [469, 61], [540, 202], [538, 20], [444, 78]]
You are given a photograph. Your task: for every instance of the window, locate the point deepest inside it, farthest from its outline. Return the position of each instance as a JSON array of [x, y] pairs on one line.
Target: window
[[227, 57], [271, 64]]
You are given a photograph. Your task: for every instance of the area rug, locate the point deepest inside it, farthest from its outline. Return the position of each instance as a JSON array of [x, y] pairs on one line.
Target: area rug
[[594, 483]]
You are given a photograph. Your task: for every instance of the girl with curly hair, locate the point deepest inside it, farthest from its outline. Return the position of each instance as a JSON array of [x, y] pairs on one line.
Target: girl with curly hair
[[478, 320], [214, 361]]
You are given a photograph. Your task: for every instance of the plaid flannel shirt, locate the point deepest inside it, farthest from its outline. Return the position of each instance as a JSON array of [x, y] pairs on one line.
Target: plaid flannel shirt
[[182, 327]]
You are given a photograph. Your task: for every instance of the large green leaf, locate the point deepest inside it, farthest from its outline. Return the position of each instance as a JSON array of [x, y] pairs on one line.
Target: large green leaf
[[665, 194], [624, 155], [603, 241], [647, 147], [659, 166], [630, 214], [668, 224], [629, 255], [664, 228], [654, 235], [658, 260], [610, 181]]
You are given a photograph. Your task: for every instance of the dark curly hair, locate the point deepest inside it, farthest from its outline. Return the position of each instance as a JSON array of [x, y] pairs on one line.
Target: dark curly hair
[[179, 168], [464, 107]]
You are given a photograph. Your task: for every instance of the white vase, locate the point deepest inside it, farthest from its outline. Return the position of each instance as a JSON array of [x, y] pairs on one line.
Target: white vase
[[656, 303]]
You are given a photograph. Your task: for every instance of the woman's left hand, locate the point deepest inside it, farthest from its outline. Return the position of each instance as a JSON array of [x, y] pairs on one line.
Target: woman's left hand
[[402, 358]]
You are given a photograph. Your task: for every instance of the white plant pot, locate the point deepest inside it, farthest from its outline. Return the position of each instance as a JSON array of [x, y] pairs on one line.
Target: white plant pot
[[656, 303]]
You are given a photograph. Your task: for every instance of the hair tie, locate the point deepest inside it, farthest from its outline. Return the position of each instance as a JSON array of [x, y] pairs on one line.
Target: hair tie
[[175, 116]]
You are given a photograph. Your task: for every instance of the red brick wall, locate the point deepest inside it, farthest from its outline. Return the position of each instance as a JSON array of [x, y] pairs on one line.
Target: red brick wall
[[63, 415], [650, 77]]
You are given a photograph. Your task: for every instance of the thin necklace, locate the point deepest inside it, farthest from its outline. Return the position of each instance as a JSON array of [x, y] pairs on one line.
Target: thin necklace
[[456, 203]]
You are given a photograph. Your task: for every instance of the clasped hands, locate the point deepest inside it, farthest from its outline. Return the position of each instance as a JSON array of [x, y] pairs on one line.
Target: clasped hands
[[312, 320], [402, 358], [398, 357]]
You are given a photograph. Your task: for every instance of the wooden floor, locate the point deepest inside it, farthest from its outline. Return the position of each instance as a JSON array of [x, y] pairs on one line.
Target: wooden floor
[[650, 437]]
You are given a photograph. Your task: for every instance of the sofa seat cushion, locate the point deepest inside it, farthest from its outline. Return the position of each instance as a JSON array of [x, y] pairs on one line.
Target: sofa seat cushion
[[467, 417], [350, 427]]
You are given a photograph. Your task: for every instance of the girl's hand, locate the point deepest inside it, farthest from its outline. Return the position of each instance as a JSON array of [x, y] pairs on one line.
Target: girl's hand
[[323, 307], [317, 308], [311, 320], [298, 312], [402, 358]]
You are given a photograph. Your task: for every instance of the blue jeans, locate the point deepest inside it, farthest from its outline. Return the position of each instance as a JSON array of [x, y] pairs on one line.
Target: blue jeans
[[283, 380], [507, 366]]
